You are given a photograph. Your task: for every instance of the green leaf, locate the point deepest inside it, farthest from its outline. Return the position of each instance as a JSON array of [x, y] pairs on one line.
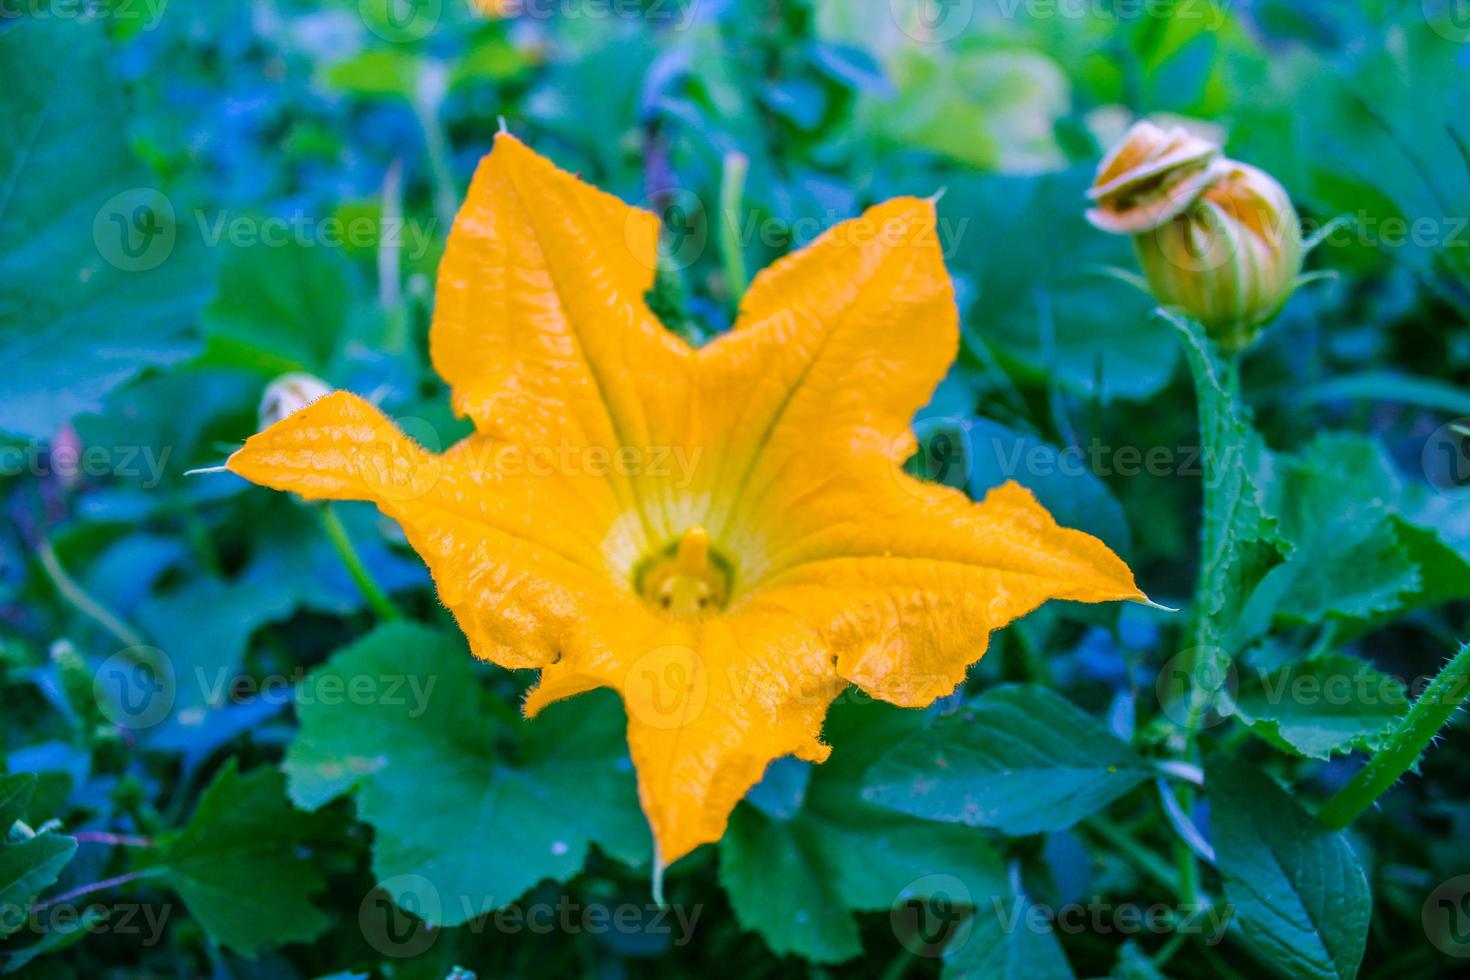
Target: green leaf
[[479, 808], [1395, 108], [238, 863], [203, 630], [1366, 545], [377, 74], [990, 109], [1299, 894], [64, 932], [27, 868], [1044, 302], [490, 59], [1387, 386], [28, 864], [1006, 939], [1018, 758], [1324, 705], [99, 280], [838, 854], [278, 309], [1062, 481], [1347, 559], [16, 790]]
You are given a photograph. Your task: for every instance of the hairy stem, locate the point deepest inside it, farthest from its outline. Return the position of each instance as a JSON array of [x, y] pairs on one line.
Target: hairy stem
[[1204, 632], [1440, 700]]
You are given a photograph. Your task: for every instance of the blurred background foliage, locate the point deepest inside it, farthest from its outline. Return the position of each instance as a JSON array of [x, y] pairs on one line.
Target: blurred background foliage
[[199, 197]]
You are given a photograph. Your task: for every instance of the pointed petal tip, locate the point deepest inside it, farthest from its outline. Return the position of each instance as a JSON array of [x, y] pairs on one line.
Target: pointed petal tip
[[657, 884], [221, 468], [1144, 600]]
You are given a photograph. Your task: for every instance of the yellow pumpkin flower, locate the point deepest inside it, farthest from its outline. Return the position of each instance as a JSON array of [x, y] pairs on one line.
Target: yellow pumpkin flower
[[724, 535]]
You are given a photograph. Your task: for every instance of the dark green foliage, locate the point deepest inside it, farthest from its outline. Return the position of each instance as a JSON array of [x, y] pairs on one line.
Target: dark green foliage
[[216, 761]]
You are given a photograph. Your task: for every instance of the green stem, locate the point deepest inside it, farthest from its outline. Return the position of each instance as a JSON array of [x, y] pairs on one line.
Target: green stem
[[371, 590], [428, 101], [97, 886], [899, 966], [1188, 872], [199, 539], [1204, 632], [81, 600], [1429, 714], [1034, 668], [390, 261], [1125, 843], [732, 191], [1166, 952], [115, 840]]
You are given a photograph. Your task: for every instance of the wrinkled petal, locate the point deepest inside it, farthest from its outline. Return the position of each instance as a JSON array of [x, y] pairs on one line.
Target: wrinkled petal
[[514, 580], [709, 705], [541, 328], [906, 580], [837, 346]]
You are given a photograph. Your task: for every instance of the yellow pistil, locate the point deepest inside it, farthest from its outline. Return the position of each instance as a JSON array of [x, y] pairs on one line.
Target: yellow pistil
[[686, 581]]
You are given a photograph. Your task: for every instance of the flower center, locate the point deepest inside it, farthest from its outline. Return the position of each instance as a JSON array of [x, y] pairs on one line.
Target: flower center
[[685, 578]]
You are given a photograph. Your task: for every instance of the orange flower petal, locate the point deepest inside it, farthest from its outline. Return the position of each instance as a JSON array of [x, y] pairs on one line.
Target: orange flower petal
[[907, 583], [540, 325], [514, 580]]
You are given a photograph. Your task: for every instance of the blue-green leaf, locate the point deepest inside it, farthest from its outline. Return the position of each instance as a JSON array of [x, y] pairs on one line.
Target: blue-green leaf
[[1018, 758], [1299, 893], [467, 814], [101, 278]]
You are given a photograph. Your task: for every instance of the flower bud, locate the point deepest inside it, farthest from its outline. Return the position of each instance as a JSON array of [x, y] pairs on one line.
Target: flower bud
[[1230, 259], [290, 393], [1149, 177]]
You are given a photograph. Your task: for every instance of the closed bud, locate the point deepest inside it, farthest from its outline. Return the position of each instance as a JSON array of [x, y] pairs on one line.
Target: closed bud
[[290, 393], [1217, 239], [1231, 259]]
